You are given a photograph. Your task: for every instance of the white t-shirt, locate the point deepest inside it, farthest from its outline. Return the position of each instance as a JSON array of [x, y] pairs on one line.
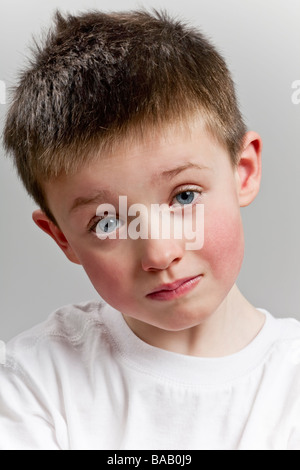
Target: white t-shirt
[[83, 380]]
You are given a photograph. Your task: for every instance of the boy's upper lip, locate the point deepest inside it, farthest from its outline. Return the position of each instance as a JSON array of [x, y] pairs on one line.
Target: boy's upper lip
[[173, 285]]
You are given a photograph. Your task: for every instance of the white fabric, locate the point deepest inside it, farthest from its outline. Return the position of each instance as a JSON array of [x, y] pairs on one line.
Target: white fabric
[[83, 380]]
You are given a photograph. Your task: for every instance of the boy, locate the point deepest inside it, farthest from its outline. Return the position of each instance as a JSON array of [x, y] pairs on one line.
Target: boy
[[136, 109]]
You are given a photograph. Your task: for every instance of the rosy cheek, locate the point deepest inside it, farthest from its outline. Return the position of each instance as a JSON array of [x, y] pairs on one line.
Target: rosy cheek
[[104, 273], [223, 243]]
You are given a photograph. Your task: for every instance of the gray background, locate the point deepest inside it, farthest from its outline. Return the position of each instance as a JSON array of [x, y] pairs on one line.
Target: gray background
[[261, 41]]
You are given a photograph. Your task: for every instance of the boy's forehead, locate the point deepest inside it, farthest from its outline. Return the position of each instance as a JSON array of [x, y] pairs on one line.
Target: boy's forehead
[[156, 158], [160, 148]]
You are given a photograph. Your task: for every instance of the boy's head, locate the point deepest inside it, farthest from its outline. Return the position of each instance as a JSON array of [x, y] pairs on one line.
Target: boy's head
[[137, 105], [100, 78]]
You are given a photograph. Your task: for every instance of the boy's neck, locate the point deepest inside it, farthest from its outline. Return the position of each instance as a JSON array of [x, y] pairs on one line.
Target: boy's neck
[[228, 330]]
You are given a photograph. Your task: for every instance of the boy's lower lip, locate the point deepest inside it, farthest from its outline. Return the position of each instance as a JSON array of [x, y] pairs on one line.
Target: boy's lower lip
[[181, 290]]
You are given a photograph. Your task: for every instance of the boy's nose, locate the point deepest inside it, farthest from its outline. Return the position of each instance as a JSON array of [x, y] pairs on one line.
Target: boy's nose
[[161, 254]]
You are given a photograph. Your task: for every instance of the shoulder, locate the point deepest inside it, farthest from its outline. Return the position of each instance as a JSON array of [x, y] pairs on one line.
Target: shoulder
[[288, 327], [40, 374], [69, 322], [67, 333], [283, 356], [289, 338]]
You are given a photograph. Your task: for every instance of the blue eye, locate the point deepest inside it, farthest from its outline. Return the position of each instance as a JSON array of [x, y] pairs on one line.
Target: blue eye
[[107, 225], [185, 197]]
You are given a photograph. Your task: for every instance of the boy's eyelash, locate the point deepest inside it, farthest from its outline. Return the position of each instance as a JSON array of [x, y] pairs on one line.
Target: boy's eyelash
[[190, 188], [93, 224]]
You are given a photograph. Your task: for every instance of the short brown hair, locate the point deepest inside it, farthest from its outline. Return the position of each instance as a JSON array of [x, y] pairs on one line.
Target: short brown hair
[[99, 77]]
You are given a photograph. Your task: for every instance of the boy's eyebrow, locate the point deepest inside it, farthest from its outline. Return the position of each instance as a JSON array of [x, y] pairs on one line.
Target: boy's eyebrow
[[98, 196], [175, 171], [105, 195]]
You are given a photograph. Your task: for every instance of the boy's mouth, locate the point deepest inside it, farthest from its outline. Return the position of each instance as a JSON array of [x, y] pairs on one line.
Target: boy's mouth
[[175, 289]]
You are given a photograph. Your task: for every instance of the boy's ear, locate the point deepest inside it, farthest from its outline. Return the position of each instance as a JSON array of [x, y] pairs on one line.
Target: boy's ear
[[45, 224], [249, 168]]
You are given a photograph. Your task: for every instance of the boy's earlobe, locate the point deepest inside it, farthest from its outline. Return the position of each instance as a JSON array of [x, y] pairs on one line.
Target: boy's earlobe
[[45, 224], [249, 168]]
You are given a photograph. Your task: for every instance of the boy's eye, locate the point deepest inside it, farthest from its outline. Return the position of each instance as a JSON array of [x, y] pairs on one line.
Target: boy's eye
[[107, 225], [186, 197]]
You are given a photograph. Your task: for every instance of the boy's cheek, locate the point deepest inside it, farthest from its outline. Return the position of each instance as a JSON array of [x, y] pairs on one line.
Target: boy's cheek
[[106, 274], [223, 243]]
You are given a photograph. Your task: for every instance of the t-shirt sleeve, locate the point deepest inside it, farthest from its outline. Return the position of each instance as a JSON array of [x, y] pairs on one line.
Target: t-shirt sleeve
[[27, 421]]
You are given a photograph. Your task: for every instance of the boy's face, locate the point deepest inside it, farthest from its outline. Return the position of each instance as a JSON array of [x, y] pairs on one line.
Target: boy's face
[[178, 168]]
